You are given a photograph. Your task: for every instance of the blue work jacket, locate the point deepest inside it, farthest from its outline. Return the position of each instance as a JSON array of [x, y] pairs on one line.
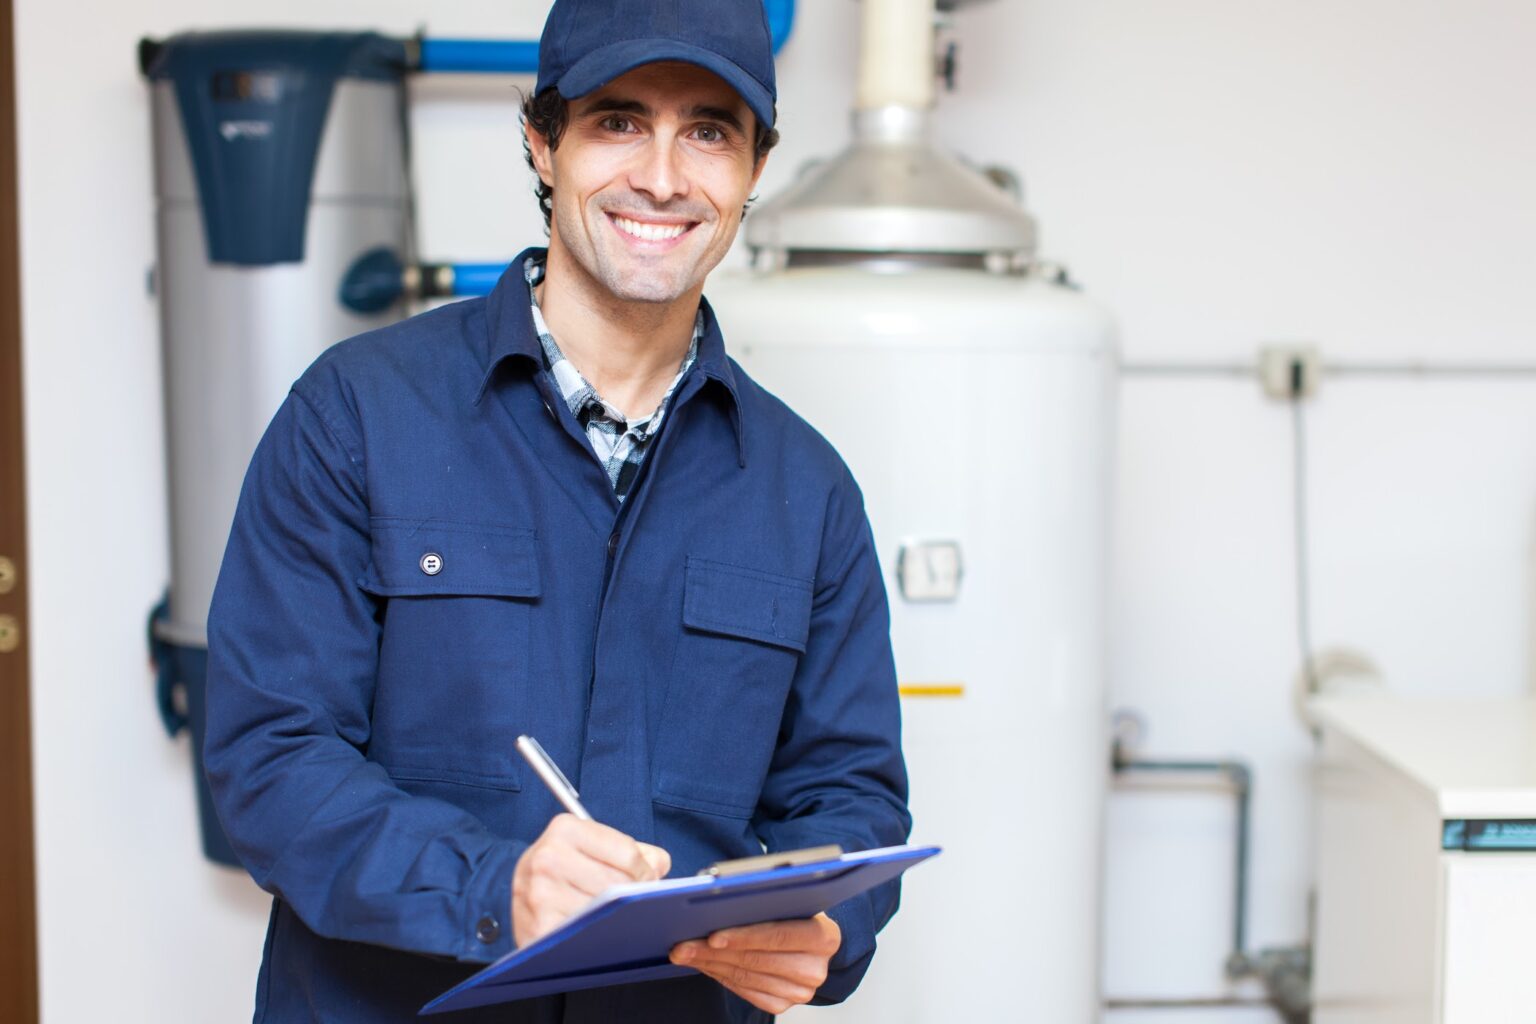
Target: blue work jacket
[[428, 559]]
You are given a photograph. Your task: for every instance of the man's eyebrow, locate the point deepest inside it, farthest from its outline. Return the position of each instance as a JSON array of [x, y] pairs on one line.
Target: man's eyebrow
[[616, 105], [721, 114]]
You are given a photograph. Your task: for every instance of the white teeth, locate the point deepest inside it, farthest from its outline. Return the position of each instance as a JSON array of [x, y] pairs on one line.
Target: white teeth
[[649, 232]]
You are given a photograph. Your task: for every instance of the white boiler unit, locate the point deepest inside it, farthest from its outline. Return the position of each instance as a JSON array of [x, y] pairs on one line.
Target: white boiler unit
[[896, 305]]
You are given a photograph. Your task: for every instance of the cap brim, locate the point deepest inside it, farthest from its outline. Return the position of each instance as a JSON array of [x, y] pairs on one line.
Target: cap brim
[[606, 63]]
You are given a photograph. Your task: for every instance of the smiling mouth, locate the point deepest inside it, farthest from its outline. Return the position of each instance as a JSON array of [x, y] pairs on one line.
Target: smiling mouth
[[649, 232]]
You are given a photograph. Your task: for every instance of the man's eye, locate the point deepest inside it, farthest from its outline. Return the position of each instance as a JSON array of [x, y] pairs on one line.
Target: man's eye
[[615, 123], [709, 133]]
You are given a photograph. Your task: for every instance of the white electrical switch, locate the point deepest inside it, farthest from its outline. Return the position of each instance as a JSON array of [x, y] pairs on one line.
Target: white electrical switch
[[929, 570], [1290, 371]]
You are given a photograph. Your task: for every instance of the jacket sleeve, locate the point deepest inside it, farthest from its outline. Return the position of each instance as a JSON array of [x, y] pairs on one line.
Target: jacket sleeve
[[292, 659], [837, 774]]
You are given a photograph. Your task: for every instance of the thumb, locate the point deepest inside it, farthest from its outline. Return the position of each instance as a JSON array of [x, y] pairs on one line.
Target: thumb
[[659, 860]]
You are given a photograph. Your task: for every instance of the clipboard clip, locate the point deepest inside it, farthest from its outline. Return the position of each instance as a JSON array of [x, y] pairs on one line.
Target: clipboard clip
[[770, 861]]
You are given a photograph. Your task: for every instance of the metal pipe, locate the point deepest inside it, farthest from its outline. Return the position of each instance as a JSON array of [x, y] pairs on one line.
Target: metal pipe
[[1285, 971], [1193, 1003], [1240, 777], [1189, 369], [1411, 369], [1430, 369]]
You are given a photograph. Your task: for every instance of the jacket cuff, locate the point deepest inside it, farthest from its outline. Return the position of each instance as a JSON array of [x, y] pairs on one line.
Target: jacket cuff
[[856, 919], [486, 924]]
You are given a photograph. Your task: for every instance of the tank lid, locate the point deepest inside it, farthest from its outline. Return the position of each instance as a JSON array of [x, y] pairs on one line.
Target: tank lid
[[253, 111], [200, 55], [893, 191]]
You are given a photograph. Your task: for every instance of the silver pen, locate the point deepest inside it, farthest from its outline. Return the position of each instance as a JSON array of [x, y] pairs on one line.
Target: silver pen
[[553, 777]]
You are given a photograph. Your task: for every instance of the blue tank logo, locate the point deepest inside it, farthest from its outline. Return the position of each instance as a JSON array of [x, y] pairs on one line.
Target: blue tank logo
[[232, 130]]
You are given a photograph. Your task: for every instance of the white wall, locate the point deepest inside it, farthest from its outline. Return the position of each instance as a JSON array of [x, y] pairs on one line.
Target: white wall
[[1231, 174], [1220, 174]]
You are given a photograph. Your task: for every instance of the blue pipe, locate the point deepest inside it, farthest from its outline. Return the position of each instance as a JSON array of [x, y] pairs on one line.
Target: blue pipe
[[483, 56], [378, 279], [476, 278], [781, 19], [521, 57]]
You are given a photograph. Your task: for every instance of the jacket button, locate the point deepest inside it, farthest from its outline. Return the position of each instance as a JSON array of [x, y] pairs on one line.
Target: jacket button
[[487, 929], [613, 545], [431, 563]]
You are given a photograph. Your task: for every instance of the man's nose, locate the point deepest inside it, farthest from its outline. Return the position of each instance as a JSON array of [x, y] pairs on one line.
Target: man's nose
[[658, 171]]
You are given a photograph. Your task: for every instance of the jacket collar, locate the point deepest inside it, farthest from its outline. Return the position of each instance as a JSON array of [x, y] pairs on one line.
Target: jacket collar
[[511, 335]]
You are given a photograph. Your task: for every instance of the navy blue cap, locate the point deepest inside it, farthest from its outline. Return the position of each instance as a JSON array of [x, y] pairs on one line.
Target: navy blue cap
[[588, 43]]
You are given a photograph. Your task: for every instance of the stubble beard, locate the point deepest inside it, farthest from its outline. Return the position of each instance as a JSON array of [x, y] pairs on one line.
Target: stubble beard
[[655, 280]]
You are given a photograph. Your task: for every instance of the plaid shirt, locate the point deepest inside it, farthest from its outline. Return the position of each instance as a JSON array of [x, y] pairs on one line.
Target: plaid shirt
[[620, 443]]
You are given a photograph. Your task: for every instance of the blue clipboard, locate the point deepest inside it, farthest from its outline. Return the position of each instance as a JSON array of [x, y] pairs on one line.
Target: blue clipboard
[[626, 934]]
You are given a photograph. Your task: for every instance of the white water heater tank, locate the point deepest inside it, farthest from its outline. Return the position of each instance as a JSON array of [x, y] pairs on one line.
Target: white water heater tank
[[896, 306]]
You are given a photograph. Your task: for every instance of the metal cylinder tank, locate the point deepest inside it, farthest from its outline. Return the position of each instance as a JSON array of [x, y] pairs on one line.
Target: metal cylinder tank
[[280, 157], [895, 304]]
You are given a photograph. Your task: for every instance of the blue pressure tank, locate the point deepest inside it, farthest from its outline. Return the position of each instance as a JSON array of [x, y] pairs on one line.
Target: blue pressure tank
[[280, 157]]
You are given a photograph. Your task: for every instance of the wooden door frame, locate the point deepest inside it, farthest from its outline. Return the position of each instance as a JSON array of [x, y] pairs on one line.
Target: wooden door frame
[[18, 897]]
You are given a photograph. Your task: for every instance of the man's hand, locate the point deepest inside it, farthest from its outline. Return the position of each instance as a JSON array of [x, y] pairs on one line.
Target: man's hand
[[570, 863], [772, 966]]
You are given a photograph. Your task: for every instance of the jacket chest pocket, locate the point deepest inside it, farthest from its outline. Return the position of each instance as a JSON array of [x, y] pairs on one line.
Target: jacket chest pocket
[[743, 633], [456, 600]]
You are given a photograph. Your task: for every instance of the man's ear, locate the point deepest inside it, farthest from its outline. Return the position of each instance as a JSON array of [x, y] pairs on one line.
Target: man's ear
[[543, 160], [757, 172]]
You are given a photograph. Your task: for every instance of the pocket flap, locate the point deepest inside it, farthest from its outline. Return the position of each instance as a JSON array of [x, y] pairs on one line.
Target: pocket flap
[[749, 603], [427, 557]]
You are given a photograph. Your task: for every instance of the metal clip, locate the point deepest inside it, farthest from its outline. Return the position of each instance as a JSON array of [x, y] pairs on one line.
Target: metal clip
[[770, 861]]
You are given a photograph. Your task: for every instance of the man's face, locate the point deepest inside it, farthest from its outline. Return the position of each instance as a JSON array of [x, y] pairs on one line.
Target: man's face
[[649, 180]]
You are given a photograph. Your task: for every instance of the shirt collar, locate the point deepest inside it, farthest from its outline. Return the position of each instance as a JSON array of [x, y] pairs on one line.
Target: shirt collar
[[511, 335], [578, 393], [714, 364]]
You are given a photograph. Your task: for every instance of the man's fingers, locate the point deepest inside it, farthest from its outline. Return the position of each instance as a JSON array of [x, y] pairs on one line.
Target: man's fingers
[[773, 935], [659, 860], [818, 934], [764, 1001], [547, 904], [735, 977], [765, 991], [802, 969], [551, 896], [772, 966], [553, 864], [601, 843], [570, 863], [544, 911]]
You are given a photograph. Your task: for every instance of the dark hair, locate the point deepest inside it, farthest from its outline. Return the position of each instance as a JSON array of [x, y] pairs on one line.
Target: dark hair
[[547, 112]]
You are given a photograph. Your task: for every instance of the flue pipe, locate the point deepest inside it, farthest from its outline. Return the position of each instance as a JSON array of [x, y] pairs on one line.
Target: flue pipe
[[896, 66]]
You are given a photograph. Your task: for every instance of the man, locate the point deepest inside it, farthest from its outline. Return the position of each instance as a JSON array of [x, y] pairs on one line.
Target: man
[[560, 511]]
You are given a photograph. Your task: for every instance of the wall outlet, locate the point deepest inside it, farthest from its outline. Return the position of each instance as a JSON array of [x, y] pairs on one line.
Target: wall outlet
[[1290, 371]]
